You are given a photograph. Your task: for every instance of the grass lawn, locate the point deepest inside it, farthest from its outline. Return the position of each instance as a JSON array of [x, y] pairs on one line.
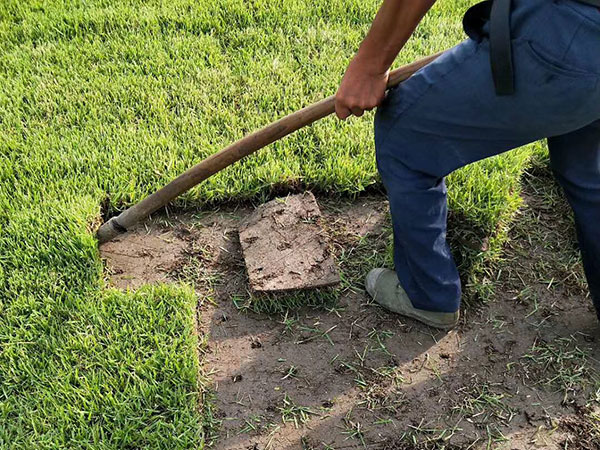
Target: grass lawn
[[104, 101]]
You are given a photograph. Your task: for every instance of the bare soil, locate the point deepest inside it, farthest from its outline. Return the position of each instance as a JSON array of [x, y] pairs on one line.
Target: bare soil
[[518, 373]]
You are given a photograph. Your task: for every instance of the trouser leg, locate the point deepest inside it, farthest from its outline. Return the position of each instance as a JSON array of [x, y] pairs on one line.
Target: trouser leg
[[422, 258], [575, 161], [447, 115]]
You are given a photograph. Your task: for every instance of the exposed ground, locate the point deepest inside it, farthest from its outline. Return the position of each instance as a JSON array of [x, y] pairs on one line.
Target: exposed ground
[[520, 372]]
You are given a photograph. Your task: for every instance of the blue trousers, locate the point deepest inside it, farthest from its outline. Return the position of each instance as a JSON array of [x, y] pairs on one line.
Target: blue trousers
[[447, 115]]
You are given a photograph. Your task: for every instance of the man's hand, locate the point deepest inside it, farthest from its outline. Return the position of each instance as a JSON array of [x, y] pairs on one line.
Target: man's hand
[[361, 89], [363, 86]]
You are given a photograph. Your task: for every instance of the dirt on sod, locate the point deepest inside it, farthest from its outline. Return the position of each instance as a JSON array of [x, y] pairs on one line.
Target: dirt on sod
[[519, 372]]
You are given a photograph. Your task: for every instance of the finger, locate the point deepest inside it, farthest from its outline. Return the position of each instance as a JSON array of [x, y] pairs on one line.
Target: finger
[[358, 111], [341, 111]]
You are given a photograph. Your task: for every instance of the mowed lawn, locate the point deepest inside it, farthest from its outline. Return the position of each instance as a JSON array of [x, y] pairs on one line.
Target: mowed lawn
[[104, 101]]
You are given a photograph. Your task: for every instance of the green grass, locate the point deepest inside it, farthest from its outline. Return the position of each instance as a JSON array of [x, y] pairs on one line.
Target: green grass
[[102, 102], [116, 371]]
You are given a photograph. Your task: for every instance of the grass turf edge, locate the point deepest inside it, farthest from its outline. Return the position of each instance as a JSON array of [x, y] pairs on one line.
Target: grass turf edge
[[117, 371]]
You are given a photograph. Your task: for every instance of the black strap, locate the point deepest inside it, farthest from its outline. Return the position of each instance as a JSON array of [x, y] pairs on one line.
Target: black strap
[[501, 47], [497, 12]]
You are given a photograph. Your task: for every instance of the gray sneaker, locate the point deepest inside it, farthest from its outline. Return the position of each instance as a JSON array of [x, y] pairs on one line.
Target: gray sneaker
[[383, 286]]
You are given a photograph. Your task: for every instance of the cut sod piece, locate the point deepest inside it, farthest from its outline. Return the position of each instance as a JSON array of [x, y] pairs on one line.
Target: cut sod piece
[[285, 248]]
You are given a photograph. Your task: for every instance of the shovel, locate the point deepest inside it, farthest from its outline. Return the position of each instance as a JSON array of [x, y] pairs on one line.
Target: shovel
[[232, 153]]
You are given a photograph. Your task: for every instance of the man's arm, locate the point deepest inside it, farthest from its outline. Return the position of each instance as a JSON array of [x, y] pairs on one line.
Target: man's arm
[[364, 83]]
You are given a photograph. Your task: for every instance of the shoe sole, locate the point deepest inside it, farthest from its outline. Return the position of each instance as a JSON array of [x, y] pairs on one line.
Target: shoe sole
[[430, 323], [409, 314]]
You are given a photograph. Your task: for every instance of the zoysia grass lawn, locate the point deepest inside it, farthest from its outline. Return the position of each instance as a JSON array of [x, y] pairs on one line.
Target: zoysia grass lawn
[[104, 101]]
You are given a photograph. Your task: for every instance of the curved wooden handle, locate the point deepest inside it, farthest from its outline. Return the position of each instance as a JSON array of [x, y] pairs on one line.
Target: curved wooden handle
[[235, 152]]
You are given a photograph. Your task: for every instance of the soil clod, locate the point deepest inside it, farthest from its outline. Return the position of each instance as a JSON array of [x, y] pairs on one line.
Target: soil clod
[[285, 248]]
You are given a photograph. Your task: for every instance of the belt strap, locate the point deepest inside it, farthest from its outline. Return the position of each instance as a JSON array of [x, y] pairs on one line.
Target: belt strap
[[498, 14], [501, 47]]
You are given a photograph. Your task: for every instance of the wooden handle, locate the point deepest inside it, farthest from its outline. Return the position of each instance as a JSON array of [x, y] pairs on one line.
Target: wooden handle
[[235, 152]]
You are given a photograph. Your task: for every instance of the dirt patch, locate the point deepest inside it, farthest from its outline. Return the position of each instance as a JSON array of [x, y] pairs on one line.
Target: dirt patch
[[145, 256], [285, 248], [518, 373]]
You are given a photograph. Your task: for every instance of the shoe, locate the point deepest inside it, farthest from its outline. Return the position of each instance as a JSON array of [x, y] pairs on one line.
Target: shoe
[[383, 286]]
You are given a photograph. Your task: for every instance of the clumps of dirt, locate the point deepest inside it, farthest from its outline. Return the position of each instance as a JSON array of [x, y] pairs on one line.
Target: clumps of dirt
[[580, 432], [285, 248]]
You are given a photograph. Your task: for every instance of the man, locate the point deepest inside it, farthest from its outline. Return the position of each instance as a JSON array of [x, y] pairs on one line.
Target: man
[[530, 70]]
